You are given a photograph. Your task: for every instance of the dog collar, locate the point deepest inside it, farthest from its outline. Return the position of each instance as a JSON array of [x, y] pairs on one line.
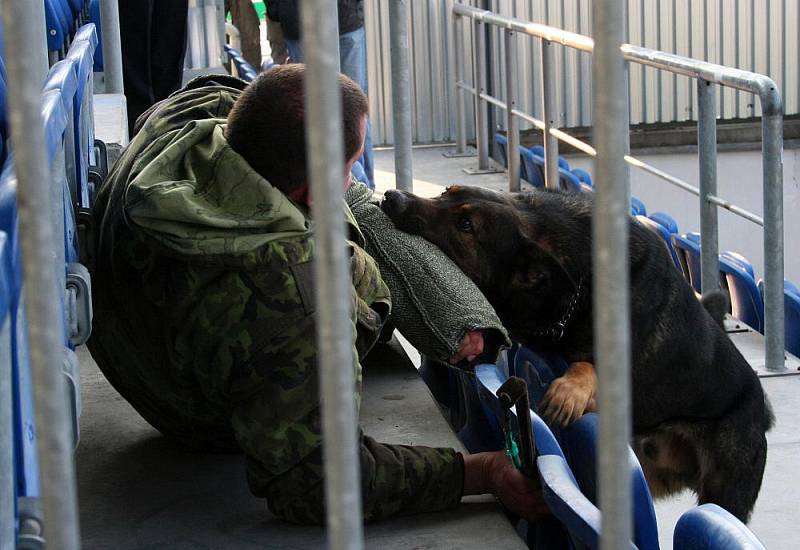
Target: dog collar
[[556, 331]]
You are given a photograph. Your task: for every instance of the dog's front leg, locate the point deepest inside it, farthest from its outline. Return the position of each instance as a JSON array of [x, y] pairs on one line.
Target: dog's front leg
[[571, 395]]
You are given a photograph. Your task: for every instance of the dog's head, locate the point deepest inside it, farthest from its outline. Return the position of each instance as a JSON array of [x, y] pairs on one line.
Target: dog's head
[[497, 239]]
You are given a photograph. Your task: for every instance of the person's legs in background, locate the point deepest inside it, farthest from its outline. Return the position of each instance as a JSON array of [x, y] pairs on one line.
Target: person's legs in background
[[353, 63], [135, 17], [168, 46], [278, 50]]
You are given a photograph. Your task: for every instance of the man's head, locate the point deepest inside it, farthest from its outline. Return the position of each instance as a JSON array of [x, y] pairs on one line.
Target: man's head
[[266, 126]]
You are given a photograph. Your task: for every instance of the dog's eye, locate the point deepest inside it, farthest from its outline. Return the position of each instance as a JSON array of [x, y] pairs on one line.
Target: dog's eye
[[465, 224]]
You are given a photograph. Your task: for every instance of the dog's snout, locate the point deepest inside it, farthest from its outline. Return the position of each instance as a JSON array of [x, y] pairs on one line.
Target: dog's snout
[[395, 202]]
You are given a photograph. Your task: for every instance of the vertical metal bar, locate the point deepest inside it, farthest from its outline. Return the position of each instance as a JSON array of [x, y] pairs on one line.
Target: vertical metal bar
[[772, 160], [611, 275], [196, 46], [481, 109], [707, 151], [512, 122], [550, 116], [211, 33], [43, 303], [331, 276], [401, 95], [7, 498], [37, 54], [461, 108], [112, 49]]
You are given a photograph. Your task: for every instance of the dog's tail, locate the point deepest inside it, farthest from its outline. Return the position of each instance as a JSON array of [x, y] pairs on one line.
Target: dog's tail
[[733, 454], [716, 304]]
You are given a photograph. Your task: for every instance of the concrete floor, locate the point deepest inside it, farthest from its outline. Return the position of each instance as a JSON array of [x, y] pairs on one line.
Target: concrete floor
[[139, 491]]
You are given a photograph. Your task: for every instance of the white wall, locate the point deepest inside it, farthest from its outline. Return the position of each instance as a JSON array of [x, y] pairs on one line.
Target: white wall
[[739, 177]]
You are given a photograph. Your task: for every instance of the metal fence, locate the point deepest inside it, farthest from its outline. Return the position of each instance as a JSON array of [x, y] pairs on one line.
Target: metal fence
[[706, 75], [756, 35]]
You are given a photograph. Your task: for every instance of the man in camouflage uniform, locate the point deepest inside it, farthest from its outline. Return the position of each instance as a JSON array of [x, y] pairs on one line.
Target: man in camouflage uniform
[[204, 306]]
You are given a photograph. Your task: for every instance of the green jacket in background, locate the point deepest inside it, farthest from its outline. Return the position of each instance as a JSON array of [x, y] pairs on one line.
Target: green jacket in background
[[204, 314]]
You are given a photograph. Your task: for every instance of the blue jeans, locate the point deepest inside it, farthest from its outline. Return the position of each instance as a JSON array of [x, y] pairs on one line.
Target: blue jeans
[[353, 63]]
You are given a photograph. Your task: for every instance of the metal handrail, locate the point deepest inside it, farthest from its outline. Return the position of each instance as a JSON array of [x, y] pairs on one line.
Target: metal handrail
[[706, 74]]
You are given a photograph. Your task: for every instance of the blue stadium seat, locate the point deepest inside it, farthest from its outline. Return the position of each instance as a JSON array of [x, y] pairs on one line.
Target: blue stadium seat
[[63, 77], [88, 33], [664, 234], [94, 18], [687, 248], [82, 54], [666, 220], [532, 170], [568, 504], [583, 176], [3, 119], [579, 442], [741, 260], [501, 141], [637, 207], [745, 299], [538, 370], [26, 470], [709, 527], [791, 308]]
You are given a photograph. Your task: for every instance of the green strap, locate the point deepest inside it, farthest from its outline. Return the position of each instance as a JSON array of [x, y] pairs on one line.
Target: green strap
[[512, 450]]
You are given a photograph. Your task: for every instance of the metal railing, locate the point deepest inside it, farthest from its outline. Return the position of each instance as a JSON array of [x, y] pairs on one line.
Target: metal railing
[[707, 74]]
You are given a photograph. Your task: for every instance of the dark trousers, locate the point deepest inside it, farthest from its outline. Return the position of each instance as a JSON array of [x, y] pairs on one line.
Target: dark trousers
[[153, 34]]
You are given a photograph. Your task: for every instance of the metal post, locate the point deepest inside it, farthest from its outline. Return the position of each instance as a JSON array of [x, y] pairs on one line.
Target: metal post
[[611, 295], [112, 49], [401, 95], [481, 109], [195, 43], [550, 116], [43, 307], [707, 150], [211, 33], [332, 276], [512, 122], [461, 107], [772, 155], [38, 54], [7, 499]]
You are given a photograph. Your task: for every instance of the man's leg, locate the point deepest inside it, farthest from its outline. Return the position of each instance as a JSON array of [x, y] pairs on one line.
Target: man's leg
[[353, 63], [245, 18], [295, 49], [168, 46], [135, 17], [277, 44]]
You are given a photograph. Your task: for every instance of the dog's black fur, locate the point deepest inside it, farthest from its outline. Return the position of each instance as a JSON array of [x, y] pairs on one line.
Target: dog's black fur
[[699, 412]]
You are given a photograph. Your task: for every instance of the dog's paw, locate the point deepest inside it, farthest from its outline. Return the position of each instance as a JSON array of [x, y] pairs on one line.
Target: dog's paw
[[571, 395]]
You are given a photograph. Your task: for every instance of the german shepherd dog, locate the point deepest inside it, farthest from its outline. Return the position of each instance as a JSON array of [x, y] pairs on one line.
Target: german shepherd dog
[[699, 412]]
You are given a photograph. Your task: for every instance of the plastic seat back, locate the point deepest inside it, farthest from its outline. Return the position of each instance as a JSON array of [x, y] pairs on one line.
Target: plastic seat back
[[568, 504], [664, 234], [579, 442], [666, 220], [81, 53], [637, 207], [583, 176], [709, 527], [745, 299], [740, 259], [63, 77], [791, 308], [687, 249], [56, 28]]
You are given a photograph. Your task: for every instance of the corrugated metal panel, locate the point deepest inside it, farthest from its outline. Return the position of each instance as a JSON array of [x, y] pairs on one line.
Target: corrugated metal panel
[[756, 35]]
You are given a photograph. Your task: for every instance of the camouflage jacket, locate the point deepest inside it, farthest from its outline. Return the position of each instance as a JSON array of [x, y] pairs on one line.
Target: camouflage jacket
[[204, 314]]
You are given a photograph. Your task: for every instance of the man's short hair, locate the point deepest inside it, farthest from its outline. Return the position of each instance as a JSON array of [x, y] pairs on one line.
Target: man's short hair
[[266, 124]]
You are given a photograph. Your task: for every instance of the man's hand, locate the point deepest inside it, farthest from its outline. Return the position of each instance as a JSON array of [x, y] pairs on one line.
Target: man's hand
[[471, 346], [494, 473]]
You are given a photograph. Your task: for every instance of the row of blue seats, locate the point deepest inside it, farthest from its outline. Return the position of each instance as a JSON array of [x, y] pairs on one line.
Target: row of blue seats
[[62, 19], [67, 122], [737, 278], [531, 170], [567, 465], [736, 272]]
